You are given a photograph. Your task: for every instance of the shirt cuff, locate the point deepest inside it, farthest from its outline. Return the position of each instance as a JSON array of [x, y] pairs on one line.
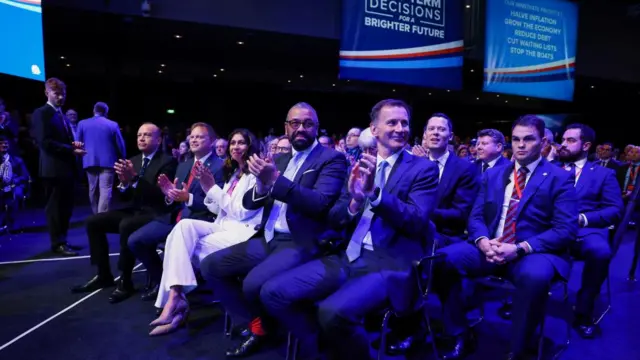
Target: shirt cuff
[[190, 201], [478, 239], [375, 202], [168, 201], [253, 196], [585, 222], [122, 187], [134, 185], [527, 247]]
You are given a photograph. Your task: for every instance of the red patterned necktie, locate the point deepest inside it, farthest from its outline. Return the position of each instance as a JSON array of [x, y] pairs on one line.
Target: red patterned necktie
[[191, 177], [509, 230]]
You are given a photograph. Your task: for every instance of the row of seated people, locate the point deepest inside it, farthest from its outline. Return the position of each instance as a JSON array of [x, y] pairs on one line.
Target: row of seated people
[[265, 264], [14, 184]]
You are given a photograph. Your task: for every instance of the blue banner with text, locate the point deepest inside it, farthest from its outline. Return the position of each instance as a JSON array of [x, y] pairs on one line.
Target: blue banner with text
[[412, 42], [531, 48]]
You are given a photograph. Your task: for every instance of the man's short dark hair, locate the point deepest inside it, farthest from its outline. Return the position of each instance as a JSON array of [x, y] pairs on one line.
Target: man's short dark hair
[[494, 134], [444, 116], [587, 134], [531, 121], [375, 110], [101, 108]]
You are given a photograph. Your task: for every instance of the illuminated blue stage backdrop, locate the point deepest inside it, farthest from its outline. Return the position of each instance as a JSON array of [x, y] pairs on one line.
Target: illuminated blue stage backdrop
[[531, 48], [22, 48], [414, 42]]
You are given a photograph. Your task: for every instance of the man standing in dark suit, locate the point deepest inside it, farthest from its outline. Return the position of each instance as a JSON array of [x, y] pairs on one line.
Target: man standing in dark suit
[[138, 182], [490, 145], [389, 198], [600, 206], [521, 226], [297, 191], [188, 197], [58, 165]]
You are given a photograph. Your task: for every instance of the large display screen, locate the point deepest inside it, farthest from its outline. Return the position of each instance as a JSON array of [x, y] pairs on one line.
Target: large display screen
[[531, 48], [413, 42], [22, 45]]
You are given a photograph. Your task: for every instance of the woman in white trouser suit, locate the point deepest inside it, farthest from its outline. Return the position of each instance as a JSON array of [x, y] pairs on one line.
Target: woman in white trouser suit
[[192, 240]]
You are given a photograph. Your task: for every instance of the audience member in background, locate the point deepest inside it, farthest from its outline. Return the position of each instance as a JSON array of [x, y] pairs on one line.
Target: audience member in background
[[296, 190], [182, 152], [8, 127], [463, 152], [14, 179], [72, 117], [531, 251], [367, 142], [631, 171], [490, 146], [550, 151], [473, 151], [606, 159], [58, 165], [283, 145], [195, 239], [507, 154], [138, 184], [352, 150], [186, 194], [326, 141], [104, 145], [222, 147]]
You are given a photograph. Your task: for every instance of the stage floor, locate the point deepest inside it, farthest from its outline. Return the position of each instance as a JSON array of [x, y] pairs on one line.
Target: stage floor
[[41, 319]]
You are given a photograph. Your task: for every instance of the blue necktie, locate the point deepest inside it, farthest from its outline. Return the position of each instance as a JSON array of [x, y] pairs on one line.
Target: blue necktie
[[145, 163], [354, 249]]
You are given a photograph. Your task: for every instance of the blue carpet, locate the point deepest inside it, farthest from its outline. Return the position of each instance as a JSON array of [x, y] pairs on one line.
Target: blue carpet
[[31, 293]]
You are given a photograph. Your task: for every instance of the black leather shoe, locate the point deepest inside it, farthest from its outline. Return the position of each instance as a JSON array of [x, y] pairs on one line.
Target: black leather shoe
[[248, 346], [122, 292], [460, 347], [585, 327], [96, 283], [504, 311], [240, 332], [64, 250], [151, 294]]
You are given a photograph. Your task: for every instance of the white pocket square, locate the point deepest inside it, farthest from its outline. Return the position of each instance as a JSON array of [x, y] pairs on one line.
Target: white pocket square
[[308, 171]]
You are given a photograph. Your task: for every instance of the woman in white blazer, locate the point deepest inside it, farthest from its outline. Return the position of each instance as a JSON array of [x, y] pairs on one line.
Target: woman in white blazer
[[192, 240]]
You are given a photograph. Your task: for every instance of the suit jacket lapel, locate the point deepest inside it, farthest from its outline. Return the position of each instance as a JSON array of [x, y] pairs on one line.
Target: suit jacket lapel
[[137, 163], [585, 175], [450, 169], [310, 160], [404, 160], [537, 178]]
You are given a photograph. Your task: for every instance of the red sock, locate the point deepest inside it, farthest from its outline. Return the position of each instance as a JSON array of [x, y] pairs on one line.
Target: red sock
[[256, 327]]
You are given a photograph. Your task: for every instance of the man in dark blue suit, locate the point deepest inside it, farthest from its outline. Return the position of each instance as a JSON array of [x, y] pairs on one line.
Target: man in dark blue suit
[[457, 190], [600, 206], [490, 145], [187, 197], [521, 226], [297, 191], [385, 211]]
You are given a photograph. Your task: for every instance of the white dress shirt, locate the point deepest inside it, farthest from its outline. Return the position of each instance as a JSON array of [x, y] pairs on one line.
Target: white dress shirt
[[279, 208], [579, 167]]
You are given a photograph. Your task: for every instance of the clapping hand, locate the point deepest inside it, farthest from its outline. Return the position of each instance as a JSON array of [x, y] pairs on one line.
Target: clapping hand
[[165, 184], [265, 171], [178, 195], [207, 181], [125, 171], [418, 150]]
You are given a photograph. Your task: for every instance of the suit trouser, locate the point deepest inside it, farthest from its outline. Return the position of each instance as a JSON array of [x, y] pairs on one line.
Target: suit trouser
[[123, 222], [143, 244], [255, 260], [346, 291], [594, 249], [100, 188], [59, 207], [190, 242], [532, 276]]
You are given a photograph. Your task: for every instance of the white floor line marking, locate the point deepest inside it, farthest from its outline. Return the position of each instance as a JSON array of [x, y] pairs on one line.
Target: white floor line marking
[[50, 259], [56, 315]]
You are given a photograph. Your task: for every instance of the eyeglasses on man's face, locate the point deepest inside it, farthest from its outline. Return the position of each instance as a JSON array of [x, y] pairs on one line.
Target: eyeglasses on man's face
[[295, 124]]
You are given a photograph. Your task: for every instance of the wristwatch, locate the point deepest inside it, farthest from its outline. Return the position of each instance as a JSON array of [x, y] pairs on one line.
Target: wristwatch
[[520, 251]]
